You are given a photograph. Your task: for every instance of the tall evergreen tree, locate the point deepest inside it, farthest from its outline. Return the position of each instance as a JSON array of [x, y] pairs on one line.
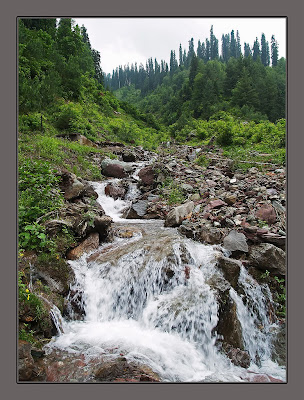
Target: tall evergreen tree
[[274, 51], [180, 55], [256, 53], [247, 50], [233, 45]]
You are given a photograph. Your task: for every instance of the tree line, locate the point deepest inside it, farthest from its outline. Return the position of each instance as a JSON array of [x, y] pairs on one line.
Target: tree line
[[148, 77]]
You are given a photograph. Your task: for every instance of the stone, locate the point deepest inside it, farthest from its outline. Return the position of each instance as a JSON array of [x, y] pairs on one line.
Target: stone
[[266, 256], [70, 185], [137, 210], [235, 241], [176, 216], [186, 187], [102, 225], [230, 269], [26, 362], [228, 327], [147, 175], [114, 171], [210, 235], [87, 245], [267, 213], [216, 204], [238, 357], [230, 199], [115, 191], [129, 157]]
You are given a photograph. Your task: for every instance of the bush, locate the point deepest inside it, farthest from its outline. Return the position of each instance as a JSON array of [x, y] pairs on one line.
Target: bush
[[38, 194]]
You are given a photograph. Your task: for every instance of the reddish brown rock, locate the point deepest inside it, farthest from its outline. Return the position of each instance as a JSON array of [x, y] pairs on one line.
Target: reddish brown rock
[[267, 213], [114, 191], [147, 175], [114, 170], [87, 245]]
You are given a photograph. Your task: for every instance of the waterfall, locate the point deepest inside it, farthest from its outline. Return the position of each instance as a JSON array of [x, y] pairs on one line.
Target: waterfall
[[148, 298]]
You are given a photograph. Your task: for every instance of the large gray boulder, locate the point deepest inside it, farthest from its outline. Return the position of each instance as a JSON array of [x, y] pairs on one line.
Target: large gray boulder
[[266, 256], [235, 241], [137, 210], [176, 216]]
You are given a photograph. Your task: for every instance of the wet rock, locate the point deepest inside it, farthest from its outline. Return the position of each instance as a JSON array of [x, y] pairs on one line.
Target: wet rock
[[267, 213], [89, 244], [147, 175], [137, 210], [56, 273], [266, 256], [115, 191], [26, 362], [235, 241], [230, 268], [128, 157], [229, 328], [279, 354], [176, 216], [120, 370], [102, 225], [238, 357]]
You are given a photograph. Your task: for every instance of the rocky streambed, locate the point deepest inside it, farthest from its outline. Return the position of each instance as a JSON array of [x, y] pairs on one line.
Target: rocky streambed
[[215, 300]]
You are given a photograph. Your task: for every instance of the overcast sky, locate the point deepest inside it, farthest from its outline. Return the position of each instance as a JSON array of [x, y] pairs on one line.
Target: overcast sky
[[128, 40]]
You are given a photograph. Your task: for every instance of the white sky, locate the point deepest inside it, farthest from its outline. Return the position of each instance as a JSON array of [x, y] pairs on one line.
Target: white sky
[[128, 40]]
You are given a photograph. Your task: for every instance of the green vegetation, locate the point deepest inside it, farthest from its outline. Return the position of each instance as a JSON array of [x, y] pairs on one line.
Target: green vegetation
[[278, 288]]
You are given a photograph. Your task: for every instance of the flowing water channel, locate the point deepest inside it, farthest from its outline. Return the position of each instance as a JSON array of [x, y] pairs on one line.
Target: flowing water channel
[[148, 297]]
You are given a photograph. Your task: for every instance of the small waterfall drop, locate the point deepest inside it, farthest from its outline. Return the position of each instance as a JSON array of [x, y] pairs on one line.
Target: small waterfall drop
[[148, 298]]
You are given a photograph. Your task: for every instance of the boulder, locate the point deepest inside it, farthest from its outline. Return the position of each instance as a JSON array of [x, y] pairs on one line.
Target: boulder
[[267, 213], [235, 241], [115, 191], [210, 235], [230, 269], [87, 245], [266, 256], [229, 329], [147, 175], [114, 171], [238, 357], [128, 157], [176, 216], [26, 362], [102, 225], [115, 168], [137, 210], [70, 185]]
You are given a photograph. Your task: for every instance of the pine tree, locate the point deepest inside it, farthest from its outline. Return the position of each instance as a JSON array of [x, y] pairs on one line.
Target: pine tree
[[247, 50], [238, 45], [193, 70], [274, 51], [199, 51], [263, 50], [233, 45], [225, 47], [256, 53], [180, 55]]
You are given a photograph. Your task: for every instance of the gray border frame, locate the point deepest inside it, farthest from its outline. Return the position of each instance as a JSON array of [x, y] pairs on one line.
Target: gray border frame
[[293, 9]]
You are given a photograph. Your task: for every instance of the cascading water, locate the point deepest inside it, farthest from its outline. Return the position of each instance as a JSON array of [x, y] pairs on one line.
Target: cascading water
[[148, 298]]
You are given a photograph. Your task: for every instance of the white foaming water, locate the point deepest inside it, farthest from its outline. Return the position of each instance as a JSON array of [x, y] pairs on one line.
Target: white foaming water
[[148, 298]]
